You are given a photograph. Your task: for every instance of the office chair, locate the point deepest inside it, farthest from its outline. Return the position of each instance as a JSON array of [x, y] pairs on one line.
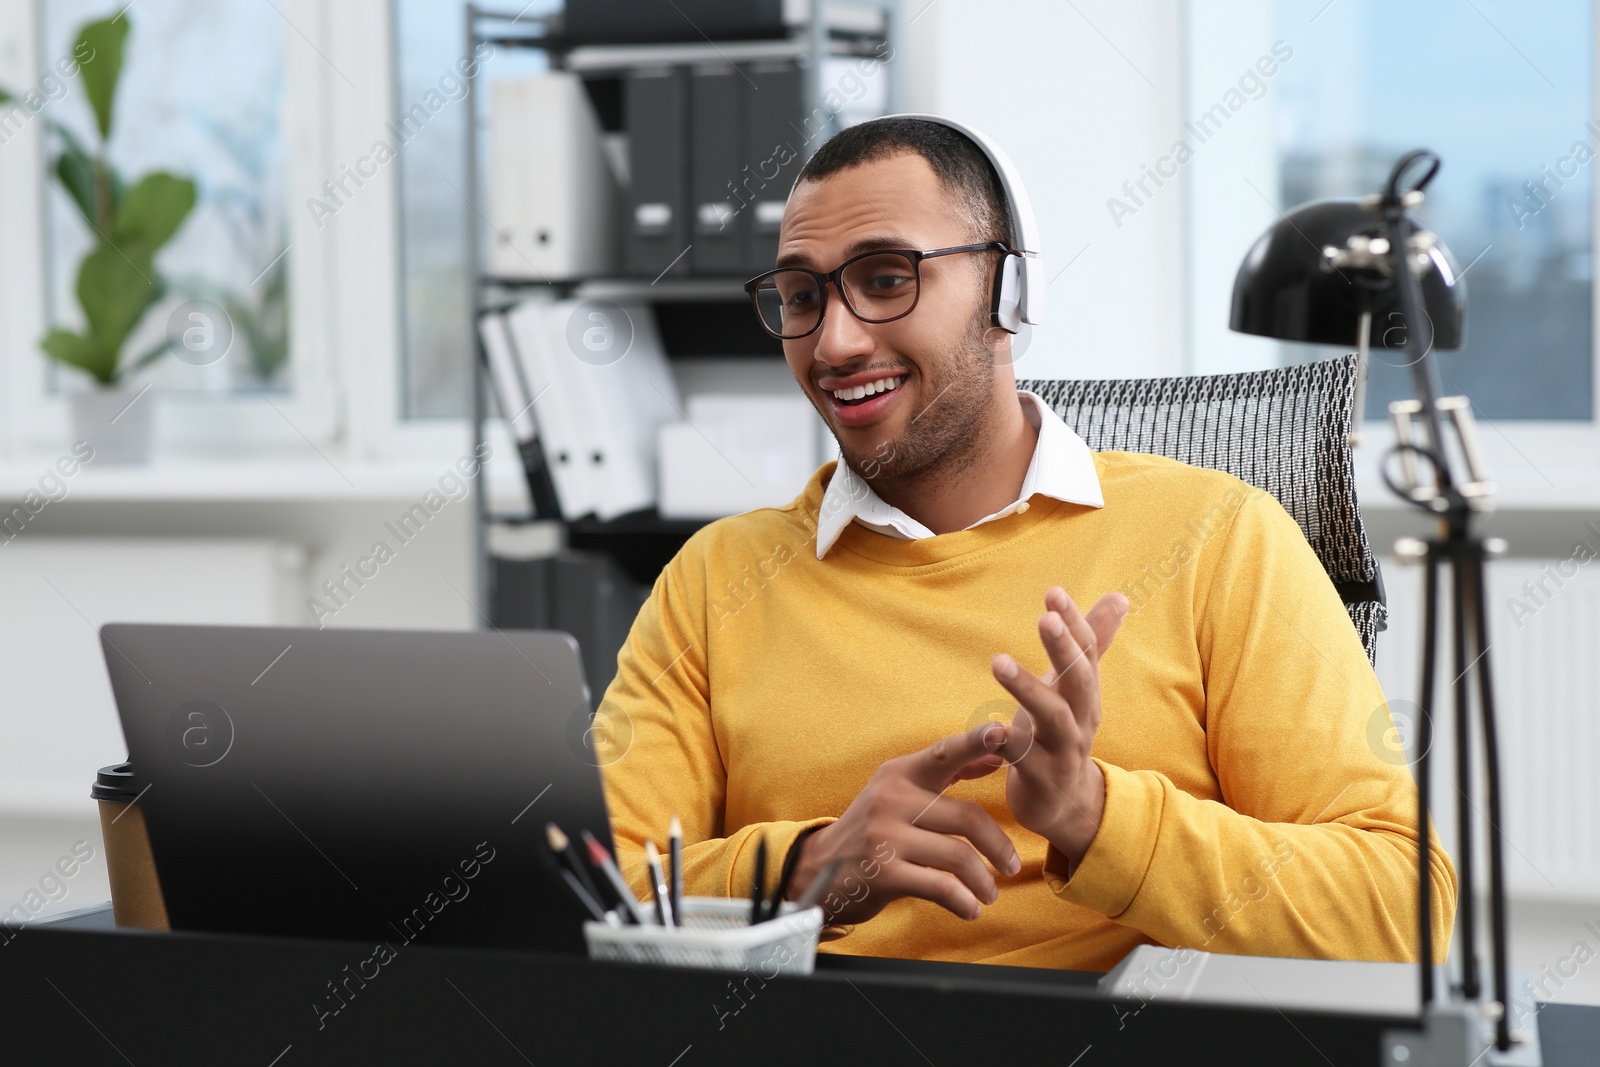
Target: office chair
[[1283, 431]]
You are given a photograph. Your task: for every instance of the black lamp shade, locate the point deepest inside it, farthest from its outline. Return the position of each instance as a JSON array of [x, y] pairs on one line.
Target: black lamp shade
[[1284, 290]]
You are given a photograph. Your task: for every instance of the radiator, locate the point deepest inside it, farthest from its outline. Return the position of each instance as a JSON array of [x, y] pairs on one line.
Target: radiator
[[58, 722], [1544, 633]]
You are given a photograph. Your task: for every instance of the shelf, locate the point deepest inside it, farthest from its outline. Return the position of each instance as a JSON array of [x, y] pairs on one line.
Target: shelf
[[600, 59], [642, 544], [696, 317], [667, 289], [637, 524], [858, 36]]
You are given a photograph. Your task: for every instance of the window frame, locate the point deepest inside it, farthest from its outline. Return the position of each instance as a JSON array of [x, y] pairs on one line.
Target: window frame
[[345, 392], [1537, 463]]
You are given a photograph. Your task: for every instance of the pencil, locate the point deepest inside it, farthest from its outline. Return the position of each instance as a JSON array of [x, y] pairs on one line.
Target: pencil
[[561, 846], [608, 868], [758, 889], [590, 904], [675, 848]]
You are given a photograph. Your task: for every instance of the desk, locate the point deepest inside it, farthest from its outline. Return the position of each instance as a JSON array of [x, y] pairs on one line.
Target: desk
[[82, 992]]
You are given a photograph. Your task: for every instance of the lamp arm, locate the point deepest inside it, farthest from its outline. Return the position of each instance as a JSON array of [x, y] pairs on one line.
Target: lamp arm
[[1419, 335], [1466, 553]]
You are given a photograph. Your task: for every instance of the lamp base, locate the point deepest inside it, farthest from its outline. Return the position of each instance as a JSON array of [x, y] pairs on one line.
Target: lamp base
[[1461, 1034]]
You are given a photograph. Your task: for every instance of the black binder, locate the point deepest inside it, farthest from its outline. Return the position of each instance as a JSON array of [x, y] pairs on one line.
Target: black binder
[[779, 141], [717, 154], [656, 116]]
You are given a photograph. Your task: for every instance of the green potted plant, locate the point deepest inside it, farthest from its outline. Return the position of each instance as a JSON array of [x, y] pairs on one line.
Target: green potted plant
[[117, 281]]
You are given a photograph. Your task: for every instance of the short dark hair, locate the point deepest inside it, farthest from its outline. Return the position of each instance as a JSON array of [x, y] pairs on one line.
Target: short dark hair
[[961, 166]]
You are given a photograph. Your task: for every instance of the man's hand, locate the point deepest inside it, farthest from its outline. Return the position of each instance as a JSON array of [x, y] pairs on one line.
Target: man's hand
[[1053, 787], [901, 837]]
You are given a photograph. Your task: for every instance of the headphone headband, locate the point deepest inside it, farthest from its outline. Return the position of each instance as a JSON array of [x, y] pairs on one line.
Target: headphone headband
[[1020, 290]]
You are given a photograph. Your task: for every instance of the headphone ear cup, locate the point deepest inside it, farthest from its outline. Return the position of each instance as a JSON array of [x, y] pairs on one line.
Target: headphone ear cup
[[1006, 292]]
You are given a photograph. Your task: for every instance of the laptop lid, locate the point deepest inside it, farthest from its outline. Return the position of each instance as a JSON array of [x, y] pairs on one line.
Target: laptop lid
[[378, 785]]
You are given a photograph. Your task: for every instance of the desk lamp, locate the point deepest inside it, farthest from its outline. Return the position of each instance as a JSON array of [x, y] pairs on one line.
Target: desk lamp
[[1364, 272]]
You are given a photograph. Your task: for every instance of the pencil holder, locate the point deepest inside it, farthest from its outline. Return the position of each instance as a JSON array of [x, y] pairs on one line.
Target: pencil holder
[[716, 935]]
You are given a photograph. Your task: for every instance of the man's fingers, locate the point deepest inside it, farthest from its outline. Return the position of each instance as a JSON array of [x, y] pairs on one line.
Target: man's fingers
[[1101, 621], [963, 818], [1053, 722], [1105, 618], [942, 888], [941, 763], [955, 856], [981, 767], [1072, 660]]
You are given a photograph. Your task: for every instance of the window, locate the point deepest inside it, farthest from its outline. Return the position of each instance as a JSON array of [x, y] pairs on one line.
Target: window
[[218, 124], [1506, 100]]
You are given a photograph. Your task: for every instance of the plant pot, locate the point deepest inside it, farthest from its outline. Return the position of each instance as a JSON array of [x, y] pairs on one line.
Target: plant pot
[[116, 421]]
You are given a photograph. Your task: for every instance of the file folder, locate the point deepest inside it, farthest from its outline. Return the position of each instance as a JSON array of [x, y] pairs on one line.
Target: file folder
[[779, 140], [507, 377], [656, 115], [552, 196], [619, 392], [717, 153], [556, 409]]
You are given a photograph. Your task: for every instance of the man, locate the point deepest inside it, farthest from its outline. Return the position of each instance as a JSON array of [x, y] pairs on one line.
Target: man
[[1191, 770]]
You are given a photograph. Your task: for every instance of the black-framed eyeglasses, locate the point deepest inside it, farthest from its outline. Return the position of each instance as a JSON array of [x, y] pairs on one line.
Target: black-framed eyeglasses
[[878, 286]]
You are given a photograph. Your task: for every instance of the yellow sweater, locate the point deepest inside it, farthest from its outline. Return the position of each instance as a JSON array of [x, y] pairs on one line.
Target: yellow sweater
[[1249, 806]]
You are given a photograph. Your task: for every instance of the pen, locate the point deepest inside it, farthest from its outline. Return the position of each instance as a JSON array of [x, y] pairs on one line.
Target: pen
[[776, 900], [658, 882], [759, 886], [585, 895], [608, 867], [561, 846], [786, 876], [675, 848]]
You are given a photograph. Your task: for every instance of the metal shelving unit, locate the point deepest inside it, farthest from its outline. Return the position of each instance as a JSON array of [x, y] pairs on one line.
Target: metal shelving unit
[[863, 29]]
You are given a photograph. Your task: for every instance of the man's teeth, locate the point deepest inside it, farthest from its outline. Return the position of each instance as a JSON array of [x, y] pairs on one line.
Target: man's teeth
[[882, 385]]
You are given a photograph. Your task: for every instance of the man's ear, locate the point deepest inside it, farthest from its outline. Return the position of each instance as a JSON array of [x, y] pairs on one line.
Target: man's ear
[[999, 342]]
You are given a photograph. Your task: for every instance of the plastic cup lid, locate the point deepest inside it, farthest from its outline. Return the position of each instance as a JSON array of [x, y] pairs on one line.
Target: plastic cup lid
[[115, 783]]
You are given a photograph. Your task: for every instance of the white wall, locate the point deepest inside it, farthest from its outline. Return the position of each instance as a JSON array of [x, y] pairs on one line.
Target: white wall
[[1079, 96]]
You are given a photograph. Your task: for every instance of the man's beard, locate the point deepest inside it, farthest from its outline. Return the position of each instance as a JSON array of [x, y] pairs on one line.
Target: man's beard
[[942, 438]]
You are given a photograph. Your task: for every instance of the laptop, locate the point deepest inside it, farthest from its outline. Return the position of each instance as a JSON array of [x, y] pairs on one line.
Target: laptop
[[374, 785]]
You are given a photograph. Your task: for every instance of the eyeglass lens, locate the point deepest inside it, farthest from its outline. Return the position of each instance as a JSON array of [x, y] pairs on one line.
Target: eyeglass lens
[[878, 287]]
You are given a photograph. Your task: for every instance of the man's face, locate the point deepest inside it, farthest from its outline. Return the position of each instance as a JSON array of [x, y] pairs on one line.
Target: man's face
[[940, 359]]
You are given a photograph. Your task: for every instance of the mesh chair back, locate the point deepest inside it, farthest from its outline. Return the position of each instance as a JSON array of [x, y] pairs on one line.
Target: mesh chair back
[[1281, 430]]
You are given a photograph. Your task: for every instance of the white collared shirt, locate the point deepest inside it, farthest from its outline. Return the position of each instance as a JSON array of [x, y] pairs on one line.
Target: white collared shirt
[[1062, 468]]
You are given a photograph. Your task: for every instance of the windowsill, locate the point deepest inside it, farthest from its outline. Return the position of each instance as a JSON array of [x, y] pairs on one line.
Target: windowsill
[[248, 479], [271, 477]]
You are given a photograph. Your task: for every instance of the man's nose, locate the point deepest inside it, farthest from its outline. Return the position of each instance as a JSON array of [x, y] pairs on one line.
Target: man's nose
[[842, 337]]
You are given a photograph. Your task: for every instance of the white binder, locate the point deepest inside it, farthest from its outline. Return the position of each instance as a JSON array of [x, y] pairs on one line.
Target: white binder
[[566, 446], [552, 195], [619, 390]]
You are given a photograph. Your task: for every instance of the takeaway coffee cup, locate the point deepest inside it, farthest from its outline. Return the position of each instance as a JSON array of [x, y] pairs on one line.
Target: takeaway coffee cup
[[135, 892]]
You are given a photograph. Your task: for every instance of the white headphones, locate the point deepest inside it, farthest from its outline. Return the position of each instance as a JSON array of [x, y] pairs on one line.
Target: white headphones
[[1019, 296]]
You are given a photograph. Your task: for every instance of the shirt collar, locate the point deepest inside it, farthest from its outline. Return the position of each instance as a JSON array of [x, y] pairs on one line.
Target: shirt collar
[[1062, 468]]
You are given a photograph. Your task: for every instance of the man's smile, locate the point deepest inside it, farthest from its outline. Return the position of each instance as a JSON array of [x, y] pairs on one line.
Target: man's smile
[[862, 398]]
